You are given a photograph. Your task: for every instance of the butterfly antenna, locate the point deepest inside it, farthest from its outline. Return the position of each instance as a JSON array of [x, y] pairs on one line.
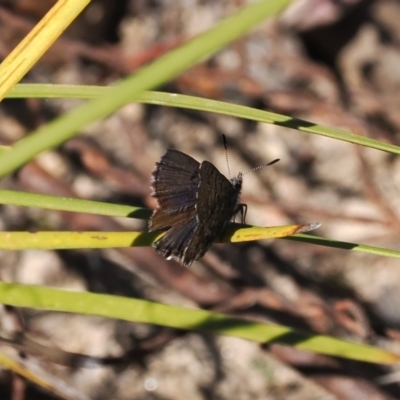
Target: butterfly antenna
[[261, 166], [226, 154]]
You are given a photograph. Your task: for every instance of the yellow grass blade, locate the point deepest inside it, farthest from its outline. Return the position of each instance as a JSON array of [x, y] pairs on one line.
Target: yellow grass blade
[[35, 44], [99, 240]]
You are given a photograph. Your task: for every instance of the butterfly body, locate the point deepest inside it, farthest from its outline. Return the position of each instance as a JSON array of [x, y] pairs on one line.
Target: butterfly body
[[195, 202]]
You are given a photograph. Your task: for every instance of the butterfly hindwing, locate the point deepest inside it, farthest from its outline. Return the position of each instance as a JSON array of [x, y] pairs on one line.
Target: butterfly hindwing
[[216, 205], [176, 240], [217, 197]]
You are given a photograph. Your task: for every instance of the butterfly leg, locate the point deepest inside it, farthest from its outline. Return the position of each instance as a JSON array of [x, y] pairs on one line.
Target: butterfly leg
[[242, 208]]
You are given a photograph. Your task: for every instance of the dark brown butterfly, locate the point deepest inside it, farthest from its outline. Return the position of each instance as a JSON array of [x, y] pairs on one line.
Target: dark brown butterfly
[[195, 202]]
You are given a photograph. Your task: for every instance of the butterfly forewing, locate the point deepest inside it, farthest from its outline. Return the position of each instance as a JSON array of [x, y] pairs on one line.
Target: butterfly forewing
[[174, 185], [173, 181]]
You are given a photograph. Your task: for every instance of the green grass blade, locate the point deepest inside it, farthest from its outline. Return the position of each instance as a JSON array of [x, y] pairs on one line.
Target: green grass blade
[[148, 312], [200, 104], [337, 244], [153, 75], [4, 149], [14, 240], [104, 240], [26, 199]]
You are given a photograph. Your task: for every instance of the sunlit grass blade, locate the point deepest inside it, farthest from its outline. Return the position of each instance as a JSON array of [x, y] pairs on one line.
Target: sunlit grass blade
[[201, 104], [100, 240], [3, 149], [163, 69], [246, 233], [75, 240], [71, 240], [148, 312], [37, 42], [235, 233]]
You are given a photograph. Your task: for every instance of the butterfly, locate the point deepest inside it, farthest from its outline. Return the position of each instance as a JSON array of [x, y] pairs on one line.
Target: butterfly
[[195, 202]]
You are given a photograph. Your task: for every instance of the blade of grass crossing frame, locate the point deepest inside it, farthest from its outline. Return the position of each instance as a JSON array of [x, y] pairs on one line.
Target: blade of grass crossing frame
[[201, 104], [148, 312], [160, 71]]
